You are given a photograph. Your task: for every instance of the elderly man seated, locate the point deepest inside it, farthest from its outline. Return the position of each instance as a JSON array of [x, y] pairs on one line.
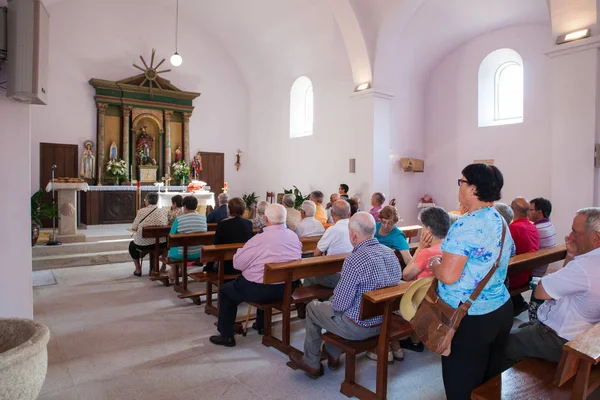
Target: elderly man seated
[[293, 215], [332, 199], [320, 213], [219, 213], [371, 266], [275, 244], [309, 226], [572, 296]]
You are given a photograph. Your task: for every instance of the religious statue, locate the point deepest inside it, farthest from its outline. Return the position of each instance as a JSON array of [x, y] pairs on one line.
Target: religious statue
[[197, 165], [178, 154], [238, 164], [143, 148], [113, 151], [88, 163]]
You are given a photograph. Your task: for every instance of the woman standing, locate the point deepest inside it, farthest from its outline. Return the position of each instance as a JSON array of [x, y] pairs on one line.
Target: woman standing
[[468, 253]]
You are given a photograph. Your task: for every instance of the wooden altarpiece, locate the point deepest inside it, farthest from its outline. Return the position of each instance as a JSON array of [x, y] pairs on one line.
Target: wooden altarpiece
[[145, 103]]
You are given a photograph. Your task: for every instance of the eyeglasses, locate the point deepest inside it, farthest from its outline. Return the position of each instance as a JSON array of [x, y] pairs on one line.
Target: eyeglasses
[[387, 222], [460, 181]]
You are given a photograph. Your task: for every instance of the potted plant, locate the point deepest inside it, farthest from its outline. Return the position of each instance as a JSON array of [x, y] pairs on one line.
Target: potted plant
[[116, 169], [40, 211], [250, 200], [181, 171], [298, 197]]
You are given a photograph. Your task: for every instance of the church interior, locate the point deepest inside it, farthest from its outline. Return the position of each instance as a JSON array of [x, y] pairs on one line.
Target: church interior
[[261, 97]]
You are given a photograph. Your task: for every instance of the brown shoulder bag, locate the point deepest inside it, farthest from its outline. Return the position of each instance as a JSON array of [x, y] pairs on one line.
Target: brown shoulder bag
[[436, 322]]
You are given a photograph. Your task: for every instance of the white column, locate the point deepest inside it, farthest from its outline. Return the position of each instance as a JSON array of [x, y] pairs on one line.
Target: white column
[[574, 180], [16, 293], [370, 143]]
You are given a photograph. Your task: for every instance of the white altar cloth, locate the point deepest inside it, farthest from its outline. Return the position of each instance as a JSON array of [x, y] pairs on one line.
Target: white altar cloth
[[204, 198], [66, 185]]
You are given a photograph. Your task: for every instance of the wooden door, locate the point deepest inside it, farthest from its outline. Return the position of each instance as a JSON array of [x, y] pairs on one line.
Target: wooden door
[[213, 171], [65, 157]]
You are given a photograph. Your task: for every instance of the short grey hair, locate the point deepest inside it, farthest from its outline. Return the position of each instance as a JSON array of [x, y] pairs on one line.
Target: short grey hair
[[341, 209], [317, 195], [592, 222], [437, 220], [453, 218], [379, 197], [261, 207], [288, 200], [309, 207], [276, 214], [363, 224], [223, 198], [506, 212], [152, 198]]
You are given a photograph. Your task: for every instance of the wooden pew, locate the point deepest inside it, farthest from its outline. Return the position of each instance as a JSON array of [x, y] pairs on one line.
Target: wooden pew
[[216, 253], [378, 302], [411, 231], [185, 241], [528, 261], [287, 273], [309, 243], [156, 232], [212, 226], [576, 376]]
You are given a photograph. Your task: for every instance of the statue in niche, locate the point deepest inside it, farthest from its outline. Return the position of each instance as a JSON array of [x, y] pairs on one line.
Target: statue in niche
[[113, 151], [143, 148], [88, 160], [178, 154], [197, 165]]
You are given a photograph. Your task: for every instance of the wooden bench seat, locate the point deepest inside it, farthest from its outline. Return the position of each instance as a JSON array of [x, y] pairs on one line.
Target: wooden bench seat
[[305, 294]]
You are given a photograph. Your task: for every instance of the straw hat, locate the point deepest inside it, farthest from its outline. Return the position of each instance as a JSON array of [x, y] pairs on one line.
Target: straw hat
[[414, 296]]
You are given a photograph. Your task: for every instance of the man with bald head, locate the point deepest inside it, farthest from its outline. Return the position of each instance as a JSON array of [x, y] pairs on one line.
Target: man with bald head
[[275, 244], [527, 240], [370, 266]]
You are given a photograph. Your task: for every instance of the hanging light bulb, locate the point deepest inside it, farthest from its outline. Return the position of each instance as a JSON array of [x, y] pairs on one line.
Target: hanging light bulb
[[176, 59]]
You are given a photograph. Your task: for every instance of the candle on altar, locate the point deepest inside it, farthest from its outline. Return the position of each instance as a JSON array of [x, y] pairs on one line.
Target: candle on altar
[[225, 185]]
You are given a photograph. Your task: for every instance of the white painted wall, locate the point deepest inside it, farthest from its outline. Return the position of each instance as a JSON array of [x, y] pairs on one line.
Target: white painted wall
[[91, 40], [452, 137], [16, 293]]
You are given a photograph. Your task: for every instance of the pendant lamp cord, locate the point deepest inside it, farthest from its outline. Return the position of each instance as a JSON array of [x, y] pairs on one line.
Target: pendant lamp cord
[[176, 26]]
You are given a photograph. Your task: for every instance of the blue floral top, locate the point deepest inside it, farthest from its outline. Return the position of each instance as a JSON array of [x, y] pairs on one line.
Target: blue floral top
[[478, 235]]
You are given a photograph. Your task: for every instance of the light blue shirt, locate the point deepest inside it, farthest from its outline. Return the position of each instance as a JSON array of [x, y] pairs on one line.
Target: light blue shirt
[[478, 235], [187, 223]]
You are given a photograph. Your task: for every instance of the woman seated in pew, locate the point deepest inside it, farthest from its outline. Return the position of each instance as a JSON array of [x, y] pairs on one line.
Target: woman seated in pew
[[150, 215], [188, 222], [388, 234], [176, 208], [259, 221], [234, 229]]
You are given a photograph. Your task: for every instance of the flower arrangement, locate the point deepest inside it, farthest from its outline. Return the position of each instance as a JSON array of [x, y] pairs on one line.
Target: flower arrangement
[[117, 169], [180, 170]]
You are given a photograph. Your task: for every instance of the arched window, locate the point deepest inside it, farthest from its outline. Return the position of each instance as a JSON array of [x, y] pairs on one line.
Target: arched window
[[301, 108], [501, 88]]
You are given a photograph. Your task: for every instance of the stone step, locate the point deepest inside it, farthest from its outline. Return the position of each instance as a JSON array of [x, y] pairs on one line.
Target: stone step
[[99, 246], [80, 260]]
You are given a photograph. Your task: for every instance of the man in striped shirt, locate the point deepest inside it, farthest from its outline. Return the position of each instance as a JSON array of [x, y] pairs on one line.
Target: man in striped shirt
[[539, 213], [370, 266]]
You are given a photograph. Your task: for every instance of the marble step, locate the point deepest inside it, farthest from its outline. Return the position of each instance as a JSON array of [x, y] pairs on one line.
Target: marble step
[[80, 260], [98, 246]]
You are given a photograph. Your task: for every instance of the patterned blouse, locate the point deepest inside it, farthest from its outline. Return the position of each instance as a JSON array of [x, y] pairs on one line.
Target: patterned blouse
[[148, 216], [477, 235]]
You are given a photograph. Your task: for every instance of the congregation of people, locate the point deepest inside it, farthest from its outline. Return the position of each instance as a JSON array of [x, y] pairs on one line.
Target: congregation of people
[[458, 248]]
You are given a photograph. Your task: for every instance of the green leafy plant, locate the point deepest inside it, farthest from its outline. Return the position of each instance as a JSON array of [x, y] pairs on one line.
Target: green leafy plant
[[40, 210], [250, 199], [298, 197], [180, 170]]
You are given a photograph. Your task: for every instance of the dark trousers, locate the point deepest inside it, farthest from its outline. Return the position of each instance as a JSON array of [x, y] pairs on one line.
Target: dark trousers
[[135, 250], [239, 291], [477, 351]]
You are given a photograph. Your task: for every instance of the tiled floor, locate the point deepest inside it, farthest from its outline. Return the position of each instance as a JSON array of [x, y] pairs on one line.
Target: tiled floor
[[117, 337]]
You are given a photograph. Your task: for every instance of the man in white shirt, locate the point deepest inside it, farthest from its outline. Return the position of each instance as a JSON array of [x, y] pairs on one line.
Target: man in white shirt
[[335, 240], [572, 296], [309, 226]]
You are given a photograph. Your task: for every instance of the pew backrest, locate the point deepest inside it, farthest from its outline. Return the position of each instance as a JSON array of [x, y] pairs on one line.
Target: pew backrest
[[304, 268], [586, 345], [216, 252], [528, 261], [190, 239]]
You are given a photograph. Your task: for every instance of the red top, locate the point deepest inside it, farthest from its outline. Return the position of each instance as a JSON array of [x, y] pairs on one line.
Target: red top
[[527, 240]]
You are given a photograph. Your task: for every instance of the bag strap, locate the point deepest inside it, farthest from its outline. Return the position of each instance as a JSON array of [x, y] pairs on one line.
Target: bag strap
[[487, 278], [147, 215]]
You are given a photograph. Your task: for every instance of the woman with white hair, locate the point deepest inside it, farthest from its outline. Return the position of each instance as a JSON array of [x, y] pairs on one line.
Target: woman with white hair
[[293, 215], [259, 221], [309, 226]]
